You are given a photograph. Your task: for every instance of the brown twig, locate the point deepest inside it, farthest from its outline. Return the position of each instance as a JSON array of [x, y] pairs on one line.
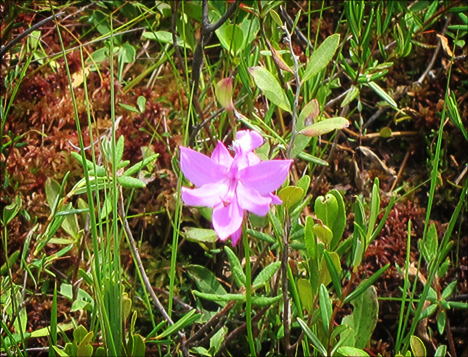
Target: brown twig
[[139, 263], [400, 171], [5, 49], [242, 327], [211, 322]]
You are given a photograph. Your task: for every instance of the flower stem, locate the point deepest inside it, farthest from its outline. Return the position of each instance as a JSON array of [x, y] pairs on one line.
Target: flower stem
[[248, 293]]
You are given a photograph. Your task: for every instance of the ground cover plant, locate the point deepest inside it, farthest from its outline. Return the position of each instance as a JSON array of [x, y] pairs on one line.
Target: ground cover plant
[[223, 178]]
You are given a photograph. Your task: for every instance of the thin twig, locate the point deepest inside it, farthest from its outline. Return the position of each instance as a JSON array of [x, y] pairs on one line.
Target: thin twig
[[241, 328], [211, 322], [178, 55], [27, 32], [300, 36], [436, 52], [145, 278], [298, 93], [400, 171]]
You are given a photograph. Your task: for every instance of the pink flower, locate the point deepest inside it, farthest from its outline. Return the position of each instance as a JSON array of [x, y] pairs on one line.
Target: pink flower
[[230, 185]]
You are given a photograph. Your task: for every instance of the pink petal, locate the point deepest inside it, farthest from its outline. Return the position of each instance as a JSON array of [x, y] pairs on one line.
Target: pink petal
[[208, 195], [252, 201], [227, 220], [253, 159], [198, 168], [235, 236], [266, 176], [275, 200], [221, 155], [248, 140]]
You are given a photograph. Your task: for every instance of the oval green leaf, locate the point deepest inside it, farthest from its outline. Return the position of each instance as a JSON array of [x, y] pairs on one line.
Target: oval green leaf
[[291, 195], [201, 234], [325, 126], [270, 87], [321, 56], [130, 182]]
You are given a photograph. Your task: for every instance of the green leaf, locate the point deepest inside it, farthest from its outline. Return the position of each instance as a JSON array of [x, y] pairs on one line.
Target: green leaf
[[119, 149], [308, 114], [127, 53], [178, 325], [313, 338], [236, 267], [266, 274], [99, 55], [441, 321], [206, 281], [201, 234], [363, 319], [333, 271], [448, 291], [139, 348], [231, 37], [350, 96], [10, 211], [291, 195], [304, 184], [325, 307], [340, 220], [277, 226], [312, 159], [454, 113], [270, 87], [130, 182], [326, 209], [220, 299], [325, 275], [130, 108], [321, 57], [141, 102], [417, 346], [217, 340], [347, 351], [305, 294], [325, 126], [165, 37], [432, 242], [100, 21], [323, 233], [382, 94], [441, 351], [262, 301], [374, 210], [70, 223], [309, 238], [79, 334], [52, 190], [140, 165], [11, 260], [60, 352], [262, 236], [364, 285]]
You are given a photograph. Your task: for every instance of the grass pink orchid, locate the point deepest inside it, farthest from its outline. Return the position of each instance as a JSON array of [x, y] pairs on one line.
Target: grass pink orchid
[[233, 185]]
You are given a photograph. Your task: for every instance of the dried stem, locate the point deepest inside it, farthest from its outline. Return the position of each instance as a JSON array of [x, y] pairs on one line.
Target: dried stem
[[298, 93], [5, 49], [145, 278]]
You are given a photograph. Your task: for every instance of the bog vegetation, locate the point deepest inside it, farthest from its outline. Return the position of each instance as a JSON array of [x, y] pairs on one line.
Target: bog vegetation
[[223, 178]]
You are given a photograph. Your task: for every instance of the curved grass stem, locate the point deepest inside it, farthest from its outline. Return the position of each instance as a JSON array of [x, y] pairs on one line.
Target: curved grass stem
[[248, 293]]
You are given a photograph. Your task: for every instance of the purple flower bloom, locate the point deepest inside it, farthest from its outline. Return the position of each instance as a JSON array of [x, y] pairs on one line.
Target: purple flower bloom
[[230, 185]]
